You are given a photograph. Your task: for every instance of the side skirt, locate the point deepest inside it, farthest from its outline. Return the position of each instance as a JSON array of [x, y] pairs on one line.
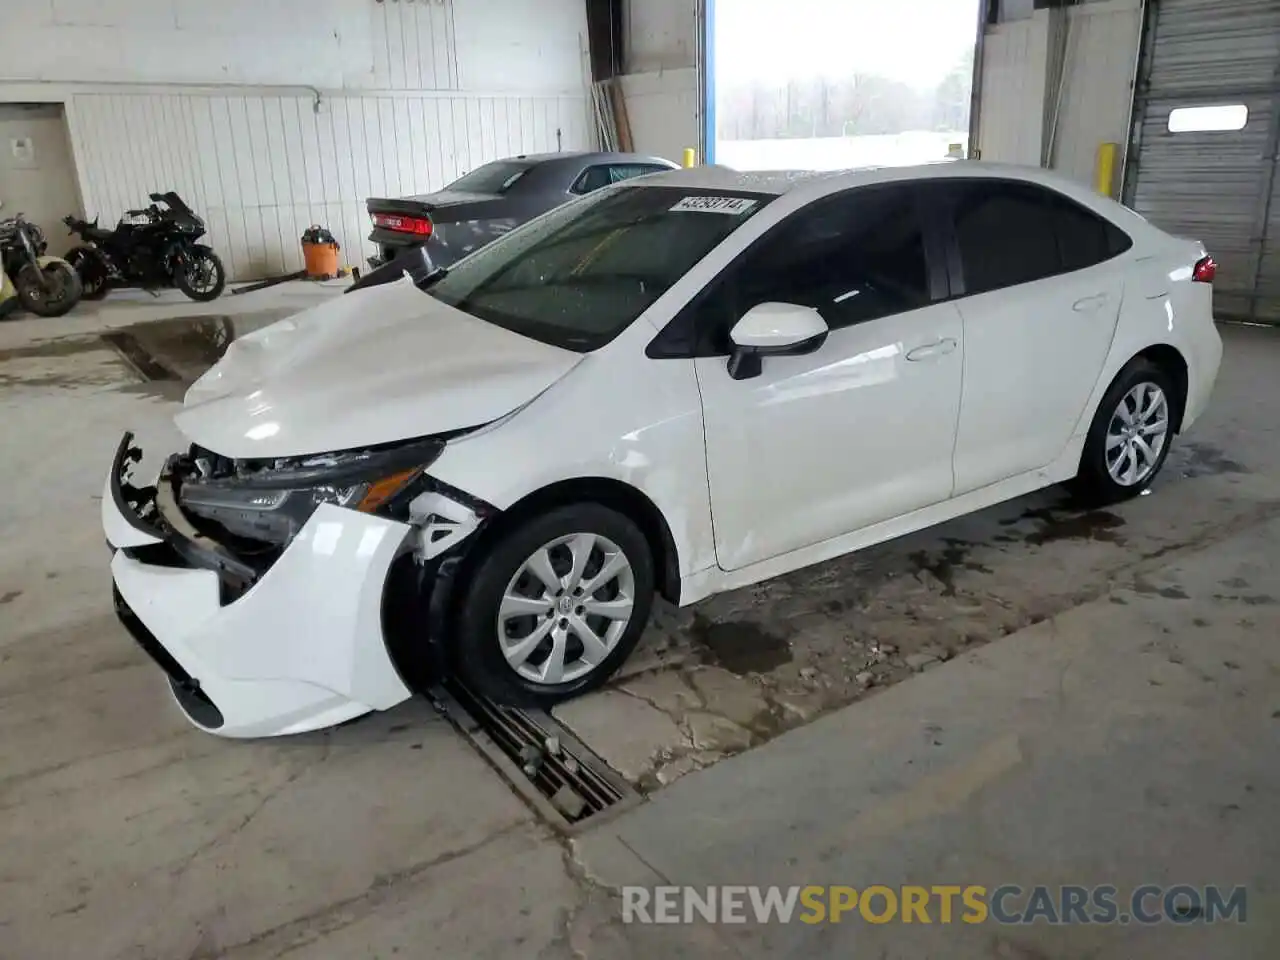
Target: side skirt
[[704, 583]]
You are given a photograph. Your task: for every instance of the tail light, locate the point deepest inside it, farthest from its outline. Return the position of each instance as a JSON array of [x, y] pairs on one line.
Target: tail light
[[1205, 271], [419, 226]]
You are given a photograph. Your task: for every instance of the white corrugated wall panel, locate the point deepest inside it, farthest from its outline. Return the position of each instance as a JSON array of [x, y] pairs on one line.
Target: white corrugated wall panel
[[1100, 58], [413, 46], [1010, 125], [261, 168]]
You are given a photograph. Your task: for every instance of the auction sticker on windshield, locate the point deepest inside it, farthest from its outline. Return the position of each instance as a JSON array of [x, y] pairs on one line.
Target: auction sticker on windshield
[[732, 205]]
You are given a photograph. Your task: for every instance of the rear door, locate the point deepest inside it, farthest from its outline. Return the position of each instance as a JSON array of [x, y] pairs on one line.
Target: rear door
[[1040, 294]]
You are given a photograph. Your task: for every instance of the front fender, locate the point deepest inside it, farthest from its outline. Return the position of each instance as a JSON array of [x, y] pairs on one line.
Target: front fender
[[48, 260]]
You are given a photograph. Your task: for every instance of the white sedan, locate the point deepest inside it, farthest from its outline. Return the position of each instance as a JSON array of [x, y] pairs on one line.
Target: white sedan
[[680, 385]]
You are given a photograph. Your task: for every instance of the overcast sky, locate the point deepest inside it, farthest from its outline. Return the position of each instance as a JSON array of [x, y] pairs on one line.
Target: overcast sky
[[915, 41]]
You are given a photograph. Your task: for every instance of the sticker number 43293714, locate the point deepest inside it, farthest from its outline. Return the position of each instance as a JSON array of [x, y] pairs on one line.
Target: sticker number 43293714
[[731, 205]]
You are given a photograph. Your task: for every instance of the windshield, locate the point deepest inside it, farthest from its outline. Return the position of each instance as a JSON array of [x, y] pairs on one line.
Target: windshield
[[491, 178], [581, 274]]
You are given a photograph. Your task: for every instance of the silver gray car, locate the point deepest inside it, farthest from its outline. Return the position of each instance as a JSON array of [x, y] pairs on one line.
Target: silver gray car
[[425, 233]]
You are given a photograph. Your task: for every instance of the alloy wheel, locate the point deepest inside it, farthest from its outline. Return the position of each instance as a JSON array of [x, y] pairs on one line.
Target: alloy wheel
[[1137, 434], [565, 609]]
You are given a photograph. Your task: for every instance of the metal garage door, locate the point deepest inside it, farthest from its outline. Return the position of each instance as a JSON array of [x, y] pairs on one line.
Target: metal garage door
[[1196, 171]]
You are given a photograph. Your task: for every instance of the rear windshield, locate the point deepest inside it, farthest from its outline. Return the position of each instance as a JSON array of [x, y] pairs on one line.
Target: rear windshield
[[581, 274], [491, 178]]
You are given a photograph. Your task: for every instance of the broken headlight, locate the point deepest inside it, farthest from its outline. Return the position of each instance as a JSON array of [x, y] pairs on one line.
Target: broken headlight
[[272, 500]]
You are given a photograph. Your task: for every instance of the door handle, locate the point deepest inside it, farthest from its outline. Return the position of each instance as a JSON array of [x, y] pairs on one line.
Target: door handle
[[939, 348], [1086, 304]]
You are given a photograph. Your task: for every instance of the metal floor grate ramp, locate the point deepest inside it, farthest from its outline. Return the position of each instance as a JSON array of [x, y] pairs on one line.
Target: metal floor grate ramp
[[563, 779]]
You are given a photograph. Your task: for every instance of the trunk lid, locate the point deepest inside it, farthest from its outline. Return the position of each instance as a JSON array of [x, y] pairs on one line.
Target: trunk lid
[[443, 206]]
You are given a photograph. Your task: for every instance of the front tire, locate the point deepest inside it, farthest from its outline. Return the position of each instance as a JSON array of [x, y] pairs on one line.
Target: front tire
[[1130, 436], [202, 277], [555, 606], [58, 293]]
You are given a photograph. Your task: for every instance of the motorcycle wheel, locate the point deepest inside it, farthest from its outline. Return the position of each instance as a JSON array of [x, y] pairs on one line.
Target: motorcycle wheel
[[204, 277], [93, 273], [61, 294]]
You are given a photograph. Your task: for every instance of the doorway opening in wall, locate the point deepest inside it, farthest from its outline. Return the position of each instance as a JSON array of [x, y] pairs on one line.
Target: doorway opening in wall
[[37, 170], [832, 84]]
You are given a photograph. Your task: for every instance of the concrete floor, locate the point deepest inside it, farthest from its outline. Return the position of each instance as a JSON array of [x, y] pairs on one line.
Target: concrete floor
[[124, 833]]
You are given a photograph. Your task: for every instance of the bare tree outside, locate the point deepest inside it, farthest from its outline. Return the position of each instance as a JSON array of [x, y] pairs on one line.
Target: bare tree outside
[[860, 104], [842, 83]]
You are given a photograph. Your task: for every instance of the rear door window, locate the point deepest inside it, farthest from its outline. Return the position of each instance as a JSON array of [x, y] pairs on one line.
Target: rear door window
[[1014, 233], [1005, 236]]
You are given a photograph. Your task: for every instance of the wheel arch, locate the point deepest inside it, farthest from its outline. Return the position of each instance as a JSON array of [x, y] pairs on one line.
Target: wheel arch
[[1169, 359], [617, 495]]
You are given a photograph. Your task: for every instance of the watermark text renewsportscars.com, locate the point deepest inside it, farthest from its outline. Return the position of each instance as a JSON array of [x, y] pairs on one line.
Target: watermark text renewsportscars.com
[[938, 903]]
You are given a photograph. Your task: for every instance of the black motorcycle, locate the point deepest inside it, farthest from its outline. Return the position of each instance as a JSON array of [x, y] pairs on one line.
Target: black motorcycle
[[47, 286], [150, 248]]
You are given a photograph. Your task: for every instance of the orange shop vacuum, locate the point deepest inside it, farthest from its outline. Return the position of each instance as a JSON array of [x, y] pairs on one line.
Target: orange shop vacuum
[[320, 254]]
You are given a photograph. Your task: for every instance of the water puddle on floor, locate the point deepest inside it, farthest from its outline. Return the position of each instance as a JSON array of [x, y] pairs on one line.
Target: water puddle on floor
[[1055, 524], [740, 646], [73, 362], [944, 564], [1204, 460], [182, 348], [165, 356]]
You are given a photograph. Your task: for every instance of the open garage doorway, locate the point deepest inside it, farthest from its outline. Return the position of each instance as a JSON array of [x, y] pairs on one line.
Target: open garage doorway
[[831, 84]]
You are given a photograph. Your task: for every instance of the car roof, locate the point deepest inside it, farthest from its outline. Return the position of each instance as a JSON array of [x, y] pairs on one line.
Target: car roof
[[809, 185], [779, 182], [584, 156]]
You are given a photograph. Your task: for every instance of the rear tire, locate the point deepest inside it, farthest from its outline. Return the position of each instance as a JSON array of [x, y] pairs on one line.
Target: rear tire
[[204, 277], [500, 650], [63, 293], [1130, 436]]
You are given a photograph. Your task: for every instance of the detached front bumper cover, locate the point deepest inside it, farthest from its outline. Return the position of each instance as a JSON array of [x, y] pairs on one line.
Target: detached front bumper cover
[[299, 642], [296, 644]]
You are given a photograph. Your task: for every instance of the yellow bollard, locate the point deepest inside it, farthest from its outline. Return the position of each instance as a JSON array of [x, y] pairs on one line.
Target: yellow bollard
[[1104, 169], [690, 156]]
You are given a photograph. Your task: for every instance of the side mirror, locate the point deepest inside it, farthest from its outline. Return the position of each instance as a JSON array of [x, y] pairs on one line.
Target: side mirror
[[773, 330]]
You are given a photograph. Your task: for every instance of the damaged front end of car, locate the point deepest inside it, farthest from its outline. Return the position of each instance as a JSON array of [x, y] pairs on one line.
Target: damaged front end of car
[[238, 518]]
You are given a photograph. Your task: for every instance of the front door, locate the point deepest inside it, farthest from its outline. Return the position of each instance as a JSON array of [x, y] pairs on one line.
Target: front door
[[859, 431]]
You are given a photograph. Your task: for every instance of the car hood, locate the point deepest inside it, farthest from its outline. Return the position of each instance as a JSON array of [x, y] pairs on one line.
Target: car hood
[[379, 365]]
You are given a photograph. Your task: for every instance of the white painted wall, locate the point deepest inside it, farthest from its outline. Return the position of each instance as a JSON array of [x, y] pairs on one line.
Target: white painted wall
[[1102, 51], [212, 98], [660, 42], [660, 35], [1017, 93], [1014, 66]]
